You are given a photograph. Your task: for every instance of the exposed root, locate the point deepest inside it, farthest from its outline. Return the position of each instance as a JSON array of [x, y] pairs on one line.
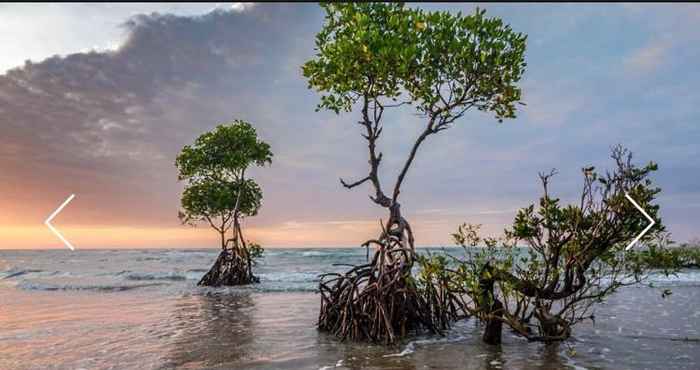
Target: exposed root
[[229, 269], [379, 301], [233, 266]]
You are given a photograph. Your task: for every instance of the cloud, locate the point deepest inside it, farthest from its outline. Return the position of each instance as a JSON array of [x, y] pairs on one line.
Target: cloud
[[551, 104], [121, 115], [241, 7], [648, 58], [464, 212], [668, 29], [37, 31]]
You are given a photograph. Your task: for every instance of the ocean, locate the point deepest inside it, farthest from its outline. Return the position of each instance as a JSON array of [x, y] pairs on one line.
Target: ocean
[[141, 309]]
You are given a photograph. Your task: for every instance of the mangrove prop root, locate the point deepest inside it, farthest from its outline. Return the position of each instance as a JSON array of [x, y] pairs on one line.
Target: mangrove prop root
[[233, 266], [379, 301], [229, 269]]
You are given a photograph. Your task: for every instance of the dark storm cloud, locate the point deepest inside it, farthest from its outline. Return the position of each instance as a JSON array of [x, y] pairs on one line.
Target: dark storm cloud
[[116, 119], [99, 101]]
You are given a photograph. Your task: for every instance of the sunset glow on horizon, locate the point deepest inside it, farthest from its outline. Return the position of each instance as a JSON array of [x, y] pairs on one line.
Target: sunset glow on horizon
[[289, 235]]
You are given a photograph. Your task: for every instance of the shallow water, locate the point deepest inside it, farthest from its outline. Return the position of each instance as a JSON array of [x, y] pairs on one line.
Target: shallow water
[[141, 309]]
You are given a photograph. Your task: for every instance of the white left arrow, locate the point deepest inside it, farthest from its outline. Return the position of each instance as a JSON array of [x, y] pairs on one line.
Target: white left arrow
[[53, 229], [651, 222]]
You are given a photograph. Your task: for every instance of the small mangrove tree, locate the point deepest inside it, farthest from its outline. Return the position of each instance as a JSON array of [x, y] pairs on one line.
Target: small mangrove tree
[[218, 193], [556, 261]]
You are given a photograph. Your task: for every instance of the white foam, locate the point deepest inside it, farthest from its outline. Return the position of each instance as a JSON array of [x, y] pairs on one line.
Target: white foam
[[411, 346]]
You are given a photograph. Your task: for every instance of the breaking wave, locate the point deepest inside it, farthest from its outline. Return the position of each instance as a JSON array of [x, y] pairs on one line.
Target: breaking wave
[[29, 285], [171, 276], [16, 273]]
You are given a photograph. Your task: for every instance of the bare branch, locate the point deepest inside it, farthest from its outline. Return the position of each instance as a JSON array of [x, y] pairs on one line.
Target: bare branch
[[397, 187], [354, 184]]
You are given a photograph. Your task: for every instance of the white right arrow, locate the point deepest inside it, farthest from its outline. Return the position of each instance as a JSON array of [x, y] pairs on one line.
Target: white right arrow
[[53, 229], [651, 222]]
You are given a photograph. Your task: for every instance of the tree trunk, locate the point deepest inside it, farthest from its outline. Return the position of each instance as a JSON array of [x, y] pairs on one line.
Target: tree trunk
[[552, 328], [494, 325], [233, 266]]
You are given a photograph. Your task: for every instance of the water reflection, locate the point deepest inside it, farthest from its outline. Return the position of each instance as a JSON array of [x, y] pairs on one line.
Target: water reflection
[[234, 329], [210, 329]]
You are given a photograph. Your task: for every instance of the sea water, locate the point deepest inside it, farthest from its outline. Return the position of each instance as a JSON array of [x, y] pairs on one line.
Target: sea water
[[141, 309]]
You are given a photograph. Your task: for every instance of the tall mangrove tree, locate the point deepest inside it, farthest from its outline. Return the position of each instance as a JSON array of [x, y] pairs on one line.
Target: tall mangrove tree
[[373, 58]]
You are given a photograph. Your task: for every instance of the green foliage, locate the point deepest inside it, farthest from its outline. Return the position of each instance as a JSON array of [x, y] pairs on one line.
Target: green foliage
[[444, 62], [255, 251], [668, 257], [205, 200], [575, 254], [223, 154], [214, 167], [482, 256], [434, 269]]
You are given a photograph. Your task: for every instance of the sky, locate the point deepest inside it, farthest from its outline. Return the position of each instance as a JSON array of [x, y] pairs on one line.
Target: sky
[[96, 100]]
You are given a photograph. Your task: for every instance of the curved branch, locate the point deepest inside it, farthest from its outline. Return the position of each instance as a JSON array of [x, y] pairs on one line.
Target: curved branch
[[356, 183]]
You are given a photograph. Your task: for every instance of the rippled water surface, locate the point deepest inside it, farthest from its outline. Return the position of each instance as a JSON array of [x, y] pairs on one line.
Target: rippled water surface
[[142, 310]]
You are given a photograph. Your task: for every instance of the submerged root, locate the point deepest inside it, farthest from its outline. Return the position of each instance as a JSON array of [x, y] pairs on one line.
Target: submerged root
[[230, 268]]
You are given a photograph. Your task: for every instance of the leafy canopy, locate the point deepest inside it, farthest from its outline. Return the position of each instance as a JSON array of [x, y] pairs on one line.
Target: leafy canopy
[[214, 167], [445, 63], [207, 200], [223, 154]]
